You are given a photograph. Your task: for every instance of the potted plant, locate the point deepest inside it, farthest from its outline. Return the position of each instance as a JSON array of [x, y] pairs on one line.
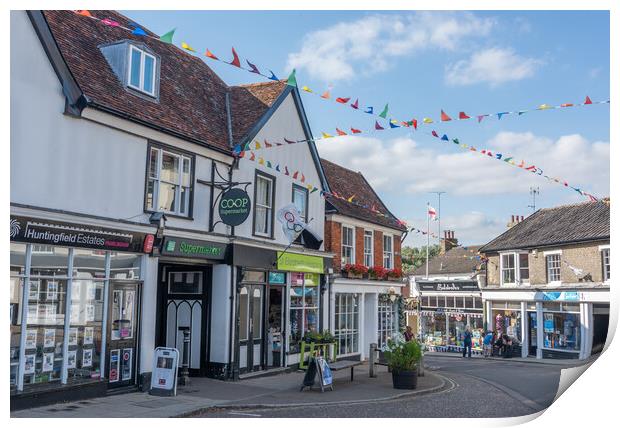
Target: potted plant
[[355, 270], [377, 272], [394, 274], [403, 359]]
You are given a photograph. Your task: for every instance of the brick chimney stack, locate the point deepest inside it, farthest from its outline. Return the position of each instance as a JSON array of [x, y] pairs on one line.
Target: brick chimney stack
[[448, 241], [514, 220]]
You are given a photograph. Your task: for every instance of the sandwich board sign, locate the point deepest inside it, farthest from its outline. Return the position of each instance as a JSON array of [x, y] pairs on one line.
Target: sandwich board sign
[[325, 374], [165, 371]]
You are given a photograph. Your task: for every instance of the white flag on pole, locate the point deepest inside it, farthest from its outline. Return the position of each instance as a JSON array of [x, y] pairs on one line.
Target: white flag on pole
[[432, 213]]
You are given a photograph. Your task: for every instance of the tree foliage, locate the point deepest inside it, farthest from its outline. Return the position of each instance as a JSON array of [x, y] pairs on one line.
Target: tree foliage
[[414, 257]]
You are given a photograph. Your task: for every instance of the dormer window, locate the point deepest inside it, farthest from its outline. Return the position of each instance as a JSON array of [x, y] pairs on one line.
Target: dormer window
[[141, 71]]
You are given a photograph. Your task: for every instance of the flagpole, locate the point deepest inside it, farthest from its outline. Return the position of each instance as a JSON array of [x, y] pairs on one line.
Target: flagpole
[[428, 234]]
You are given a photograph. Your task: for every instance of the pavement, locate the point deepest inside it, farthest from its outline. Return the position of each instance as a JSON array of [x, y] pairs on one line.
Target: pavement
[[205, 395], [563, 363]]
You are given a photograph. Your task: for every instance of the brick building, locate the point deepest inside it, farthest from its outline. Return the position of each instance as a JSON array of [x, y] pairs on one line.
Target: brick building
[[365, 238], [548, 279]]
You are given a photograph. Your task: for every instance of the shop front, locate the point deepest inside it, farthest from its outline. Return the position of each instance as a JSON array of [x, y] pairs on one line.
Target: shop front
[[550, 324], [279, 299], [185, 297], [75, 309], [447, 308]]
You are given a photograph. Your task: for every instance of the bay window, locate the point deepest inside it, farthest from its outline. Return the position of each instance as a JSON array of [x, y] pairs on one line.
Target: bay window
[[169, 182]]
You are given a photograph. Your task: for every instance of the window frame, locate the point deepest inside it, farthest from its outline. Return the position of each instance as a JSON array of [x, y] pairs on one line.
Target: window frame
[[342, 245], [182, 154], [390, 253], [297, 187], [515, 255], [372, 247], [143, 55], [258, 173], [606, 268], [351, 331], [547, 255]]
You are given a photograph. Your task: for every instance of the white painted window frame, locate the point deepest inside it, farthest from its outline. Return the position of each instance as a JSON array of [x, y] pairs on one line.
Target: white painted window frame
[[603, 248], [552, 253], [372, 247], [517, 267], [389, 254], [342, 245], [179, 184], [143, 54]]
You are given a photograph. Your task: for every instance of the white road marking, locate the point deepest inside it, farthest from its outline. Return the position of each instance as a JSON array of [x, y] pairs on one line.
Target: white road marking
[[244, 414]]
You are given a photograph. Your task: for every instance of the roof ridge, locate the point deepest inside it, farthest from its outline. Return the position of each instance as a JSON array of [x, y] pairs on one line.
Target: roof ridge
[[245, 85]]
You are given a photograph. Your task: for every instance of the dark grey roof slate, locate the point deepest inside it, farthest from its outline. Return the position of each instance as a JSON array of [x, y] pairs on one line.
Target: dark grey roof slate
[[565, 224], [456, 260]]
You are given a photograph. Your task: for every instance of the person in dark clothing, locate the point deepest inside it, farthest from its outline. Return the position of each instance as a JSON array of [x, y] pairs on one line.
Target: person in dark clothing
[[408, 334], [467, 342], [507, 346]]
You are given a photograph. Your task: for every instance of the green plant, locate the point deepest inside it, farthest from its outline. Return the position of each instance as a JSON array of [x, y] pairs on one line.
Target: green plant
[[401, 355]]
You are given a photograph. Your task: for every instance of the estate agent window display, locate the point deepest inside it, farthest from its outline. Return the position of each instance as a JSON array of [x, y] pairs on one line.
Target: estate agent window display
[[561, 326], [62, 282]]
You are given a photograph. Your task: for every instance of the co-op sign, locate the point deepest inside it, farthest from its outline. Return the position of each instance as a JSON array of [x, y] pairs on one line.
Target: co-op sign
[[234, 207]]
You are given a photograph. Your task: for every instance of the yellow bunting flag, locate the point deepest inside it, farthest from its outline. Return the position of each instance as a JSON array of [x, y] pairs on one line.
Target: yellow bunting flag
[[427, 120], [326, 135], [307, 89], [187, 47], [258, 146], [350, 199], [261, 161], [544, 107]]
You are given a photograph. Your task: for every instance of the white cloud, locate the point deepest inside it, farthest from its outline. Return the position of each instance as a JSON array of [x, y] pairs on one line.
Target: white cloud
[[370, 44], [493, 66], [405, 164]]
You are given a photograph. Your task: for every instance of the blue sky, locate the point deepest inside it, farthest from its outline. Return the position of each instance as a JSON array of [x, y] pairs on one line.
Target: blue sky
[[419, 63]]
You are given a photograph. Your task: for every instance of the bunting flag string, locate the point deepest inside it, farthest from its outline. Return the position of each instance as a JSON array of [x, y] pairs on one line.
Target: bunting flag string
[[343, 101]]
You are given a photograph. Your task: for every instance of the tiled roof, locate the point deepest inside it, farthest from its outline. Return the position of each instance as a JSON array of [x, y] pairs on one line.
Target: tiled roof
[[192, 98], [565, 224], [347, 183], [250, 102], [455, 260]]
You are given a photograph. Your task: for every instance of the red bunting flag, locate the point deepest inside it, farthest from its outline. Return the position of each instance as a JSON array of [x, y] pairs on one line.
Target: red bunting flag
[[355, 131], [378, 127], [435, 134], [303, 178], [235, 60], [295, 175], [209, 54], [566, 105], [339, 132], [252, 156], [415, 123], [355, 105], [445, 117], [342, 100], [325, 95], [588, 100], [463, 116], [267, 144]]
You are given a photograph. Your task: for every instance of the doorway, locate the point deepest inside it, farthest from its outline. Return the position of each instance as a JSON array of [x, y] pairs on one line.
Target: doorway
[[251, 325], [600, 319], [122, 337], [184, 300], [533, 333], [275, 323]]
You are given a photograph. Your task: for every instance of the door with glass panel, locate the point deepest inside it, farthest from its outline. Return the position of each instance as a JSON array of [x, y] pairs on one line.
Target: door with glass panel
[[122, 333], [185, 297], [251, 322]]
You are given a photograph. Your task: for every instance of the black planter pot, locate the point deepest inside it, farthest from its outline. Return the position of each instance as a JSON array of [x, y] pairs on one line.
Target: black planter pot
[[405, 379]]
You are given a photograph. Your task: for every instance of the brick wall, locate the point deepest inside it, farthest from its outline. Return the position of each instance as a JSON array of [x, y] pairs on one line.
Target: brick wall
[[398, 261], [378, 248], [333, 241], [359, 245], [582, 256]]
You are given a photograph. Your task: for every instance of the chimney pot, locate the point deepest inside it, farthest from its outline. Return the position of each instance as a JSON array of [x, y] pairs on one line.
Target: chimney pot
[[521, 218], [512, 218]]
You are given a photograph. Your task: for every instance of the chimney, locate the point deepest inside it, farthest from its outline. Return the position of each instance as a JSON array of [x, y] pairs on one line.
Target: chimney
[[447, 242], [514, 220]]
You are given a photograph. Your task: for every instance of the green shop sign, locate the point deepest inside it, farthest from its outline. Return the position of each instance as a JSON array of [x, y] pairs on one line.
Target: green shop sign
[[182, 247], [299, 263], [234, 207]]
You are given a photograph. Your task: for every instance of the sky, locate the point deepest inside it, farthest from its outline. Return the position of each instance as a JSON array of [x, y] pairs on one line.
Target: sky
[[420, 63]]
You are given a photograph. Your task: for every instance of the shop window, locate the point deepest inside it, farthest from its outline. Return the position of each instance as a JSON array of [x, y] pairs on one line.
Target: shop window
[[562, 329], [348, 245], [425, 301], [388, 252], [304, 307], [244, 310], [606, 264], [169, 182], [469, 302], [347, 323], [507, 319], [142, 71], [18, 263], [263, 204], [553, 267], [387, 317], [125, 265], [459, 302], [433, 326], [368, 250]]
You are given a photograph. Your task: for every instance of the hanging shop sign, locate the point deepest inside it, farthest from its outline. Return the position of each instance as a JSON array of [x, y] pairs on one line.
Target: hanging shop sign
[[182, 247], [299, 263], [234, 207], [448, 286], [47, 232]]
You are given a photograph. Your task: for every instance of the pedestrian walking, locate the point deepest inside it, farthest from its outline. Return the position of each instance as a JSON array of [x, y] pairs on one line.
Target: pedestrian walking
[[487, 344], [467, 342]]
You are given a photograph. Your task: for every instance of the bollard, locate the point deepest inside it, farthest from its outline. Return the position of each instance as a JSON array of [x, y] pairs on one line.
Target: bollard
[[421, 365], [372, 357], [184, 372]]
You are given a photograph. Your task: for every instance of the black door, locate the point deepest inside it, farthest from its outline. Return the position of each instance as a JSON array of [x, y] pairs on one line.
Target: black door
[[124, 313], [251, 326], [599, 334], [275, 322], [185, 305], [533, 333]]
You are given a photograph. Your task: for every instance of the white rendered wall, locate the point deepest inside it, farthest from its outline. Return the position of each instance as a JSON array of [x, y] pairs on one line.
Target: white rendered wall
[[148, 313], [220, 314]]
